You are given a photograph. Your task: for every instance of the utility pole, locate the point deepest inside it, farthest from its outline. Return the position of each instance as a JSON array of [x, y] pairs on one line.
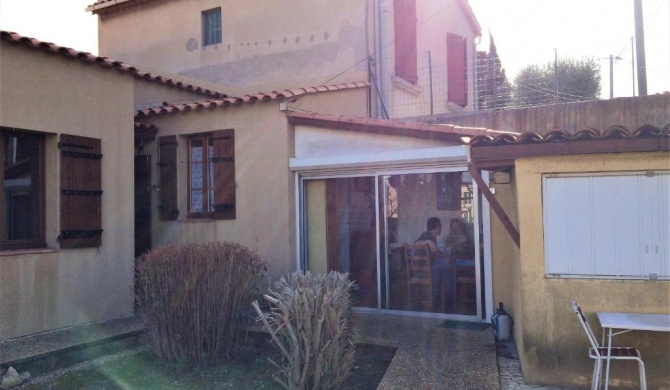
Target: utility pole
[[632, 61], [611, 77], [639, 38], [556, 74]]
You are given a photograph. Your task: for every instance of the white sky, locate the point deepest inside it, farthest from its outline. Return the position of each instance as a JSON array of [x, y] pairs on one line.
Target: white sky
[[525, 32]]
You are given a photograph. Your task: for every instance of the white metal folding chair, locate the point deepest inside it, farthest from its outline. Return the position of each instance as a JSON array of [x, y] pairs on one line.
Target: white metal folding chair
[[599, 353]]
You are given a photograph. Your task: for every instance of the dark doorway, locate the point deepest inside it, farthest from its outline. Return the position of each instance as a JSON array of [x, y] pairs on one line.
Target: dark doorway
[[142, 204]]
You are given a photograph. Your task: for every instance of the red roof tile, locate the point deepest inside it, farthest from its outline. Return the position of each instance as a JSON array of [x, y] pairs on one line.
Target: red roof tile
[[249, 99], [145, 132], [613, 132], [499, 151], [103, 61], [391, 126]]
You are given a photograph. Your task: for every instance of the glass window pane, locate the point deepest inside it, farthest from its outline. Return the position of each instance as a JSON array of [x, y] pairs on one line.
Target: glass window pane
[[196, 151], [21, 187], [196, 201], [211, 27], [342, 232], [434, 209], [196, 176]]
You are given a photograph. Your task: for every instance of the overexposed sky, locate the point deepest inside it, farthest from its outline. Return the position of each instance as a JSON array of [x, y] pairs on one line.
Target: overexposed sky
[[531, 31], [525, 32]]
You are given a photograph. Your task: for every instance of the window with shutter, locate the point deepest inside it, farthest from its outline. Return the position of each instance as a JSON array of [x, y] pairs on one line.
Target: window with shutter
[[23, 190], [167, 166], [404, 21], [212, 175], [457, 69], [80, 192]]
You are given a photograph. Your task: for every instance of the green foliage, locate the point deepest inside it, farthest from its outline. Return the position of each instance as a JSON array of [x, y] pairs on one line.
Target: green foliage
[[191, 297], [568, 81], [494, 90], [309, 323]]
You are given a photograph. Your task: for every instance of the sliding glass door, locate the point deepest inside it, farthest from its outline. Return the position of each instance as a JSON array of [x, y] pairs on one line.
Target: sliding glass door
[[364, 225]]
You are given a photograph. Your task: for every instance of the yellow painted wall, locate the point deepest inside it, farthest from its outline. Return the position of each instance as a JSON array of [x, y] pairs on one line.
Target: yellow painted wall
[[552, 345], [53, 288], [316, 221], [505, 254]]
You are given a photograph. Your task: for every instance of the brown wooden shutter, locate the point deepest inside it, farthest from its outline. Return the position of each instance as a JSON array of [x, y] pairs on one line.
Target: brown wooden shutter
[[81, 192], [167, 167], [404, 19], [457, 69], [223, 161]]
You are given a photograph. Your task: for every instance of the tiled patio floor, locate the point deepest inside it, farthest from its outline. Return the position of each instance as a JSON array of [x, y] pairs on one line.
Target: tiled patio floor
[[429, 356]]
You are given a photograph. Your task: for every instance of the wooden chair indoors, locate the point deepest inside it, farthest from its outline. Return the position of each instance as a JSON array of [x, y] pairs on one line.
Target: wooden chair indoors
[[419, 277], [465, 299]]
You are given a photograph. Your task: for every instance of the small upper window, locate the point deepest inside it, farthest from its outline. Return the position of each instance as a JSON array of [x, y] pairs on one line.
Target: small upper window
[[211, 27]]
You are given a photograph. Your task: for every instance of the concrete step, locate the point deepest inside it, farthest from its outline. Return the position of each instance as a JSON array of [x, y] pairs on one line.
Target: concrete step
[[44, 352]]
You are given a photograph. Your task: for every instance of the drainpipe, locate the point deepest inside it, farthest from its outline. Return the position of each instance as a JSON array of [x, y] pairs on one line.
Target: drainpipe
[[381, 44]]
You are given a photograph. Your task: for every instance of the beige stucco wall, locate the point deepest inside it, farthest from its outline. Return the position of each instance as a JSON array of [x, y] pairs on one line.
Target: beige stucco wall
[[265, 186], [263, 44], [553, 346], [54, 288]]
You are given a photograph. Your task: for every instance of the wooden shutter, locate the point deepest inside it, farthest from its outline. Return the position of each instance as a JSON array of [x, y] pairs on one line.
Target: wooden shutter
[[404, 19], [167, 166], [81, 192], [223, 163], [457, 69]]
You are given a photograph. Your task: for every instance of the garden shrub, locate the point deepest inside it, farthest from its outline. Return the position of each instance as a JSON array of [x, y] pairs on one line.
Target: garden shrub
[[310, 323], [191, 297]]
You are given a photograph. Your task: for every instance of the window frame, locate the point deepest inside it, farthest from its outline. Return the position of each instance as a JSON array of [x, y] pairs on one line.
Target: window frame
[[218, 177], [40, 240], [205, 138], [212, 35]]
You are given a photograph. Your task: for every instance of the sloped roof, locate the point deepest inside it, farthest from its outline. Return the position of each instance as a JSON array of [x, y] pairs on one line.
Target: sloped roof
[[391, 126], [103, 5], [248, 99], [615, 139], [470, 16], [89, 58]]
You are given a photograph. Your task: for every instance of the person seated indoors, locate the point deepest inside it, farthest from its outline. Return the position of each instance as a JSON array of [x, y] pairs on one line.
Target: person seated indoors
[[438, 260], [457, 242]]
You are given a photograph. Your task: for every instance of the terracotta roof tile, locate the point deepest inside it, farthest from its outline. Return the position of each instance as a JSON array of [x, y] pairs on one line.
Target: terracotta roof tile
[[501, 151], [588, 134], [248, 99], [103, 61], [145, 131], [390, 126]]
